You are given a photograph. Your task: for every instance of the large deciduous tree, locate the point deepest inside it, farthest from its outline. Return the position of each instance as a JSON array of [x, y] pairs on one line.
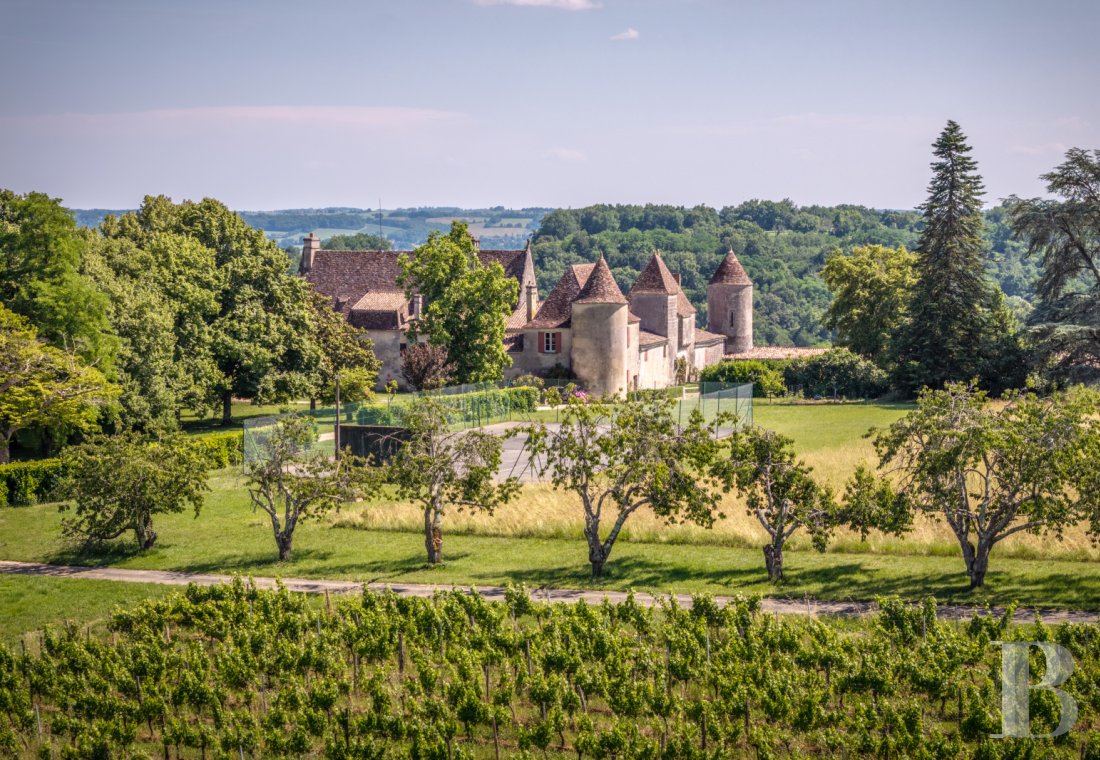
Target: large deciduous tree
[[259, 332], [957, 319], [992, 470], [621, 457], [1066, 234], [426, 367], [359, 241], [343, 351], [41, 256], [42, 385], [439, 466], [784, 497], [871, 288], [290, 482], [466, 303], [120, 483]]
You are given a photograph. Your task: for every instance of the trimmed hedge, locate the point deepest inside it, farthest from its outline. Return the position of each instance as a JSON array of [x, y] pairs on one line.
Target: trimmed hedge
[[478, 405], [26, 483], [766, 375]]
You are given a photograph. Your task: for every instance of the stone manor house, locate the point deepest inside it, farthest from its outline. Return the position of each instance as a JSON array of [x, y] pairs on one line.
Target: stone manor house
[[610, 342]]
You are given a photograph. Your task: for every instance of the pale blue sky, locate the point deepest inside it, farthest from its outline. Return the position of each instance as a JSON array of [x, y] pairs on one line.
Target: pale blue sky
[[275, 103]]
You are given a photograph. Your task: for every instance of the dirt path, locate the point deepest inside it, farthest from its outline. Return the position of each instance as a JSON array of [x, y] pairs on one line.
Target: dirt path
[[310, 586]]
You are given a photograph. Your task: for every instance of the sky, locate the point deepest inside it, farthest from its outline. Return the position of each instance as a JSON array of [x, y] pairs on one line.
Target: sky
[[269, 104]]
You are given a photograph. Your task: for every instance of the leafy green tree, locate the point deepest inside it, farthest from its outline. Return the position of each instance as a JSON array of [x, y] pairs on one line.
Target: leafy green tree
[[41, 385], [439, 467], [41, 253], [161, 298], [766, 377], [871, 289], [956, 323], [1065, 233], [290, 482], [359, 241], [782, 494], [834, 374], [624, 456], [260, 337], [467, 303], [342, 350], [994, 470], [120, 483]]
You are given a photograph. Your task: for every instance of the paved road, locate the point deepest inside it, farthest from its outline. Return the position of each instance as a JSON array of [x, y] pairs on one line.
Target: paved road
[[496, 593]]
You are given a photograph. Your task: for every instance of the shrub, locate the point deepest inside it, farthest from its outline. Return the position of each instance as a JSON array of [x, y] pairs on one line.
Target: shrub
[[838, 373], [220, 449], [529, 381], [25, 483], [766, 376]]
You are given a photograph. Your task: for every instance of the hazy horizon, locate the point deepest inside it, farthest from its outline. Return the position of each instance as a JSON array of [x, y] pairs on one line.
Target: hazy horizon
[[535, 103]]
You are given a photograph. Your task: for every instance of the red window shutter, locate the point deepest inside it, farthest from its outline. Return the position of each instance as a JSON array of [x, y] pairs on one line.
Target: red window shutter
[[557, 342], [542, 343]]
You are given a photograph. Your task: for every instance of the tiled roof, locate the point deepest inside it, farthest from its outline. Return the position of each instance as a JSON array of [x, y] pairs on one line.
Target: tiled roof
[[368, 280], [380, 310], [704, 338], [730, 272], [655, 278], [647, 339], [557, 309], [632, 318], [601, 287]]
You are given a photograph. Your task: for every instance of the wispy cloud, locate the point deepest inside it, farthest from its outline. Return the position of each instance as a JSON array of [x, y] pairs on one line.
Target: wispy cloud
[[356, 116], [569, 155], [629, 34], [565, 5]]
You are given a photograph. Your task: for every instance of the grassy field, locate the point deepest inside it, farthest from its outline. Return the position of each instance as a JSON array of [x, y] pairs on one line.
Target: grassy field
[[537, 541]]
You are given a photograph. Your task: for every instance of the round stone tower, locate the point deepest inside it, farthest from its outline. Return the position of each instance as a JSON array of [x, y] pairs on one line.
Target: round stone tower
[[599, 356], [729, 304]]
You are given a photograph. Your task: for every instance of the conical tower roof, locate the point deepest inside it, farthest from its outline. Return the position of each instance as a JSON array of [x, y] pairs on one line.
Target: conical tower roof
[[601, 287], [730, 272], [656, 278]]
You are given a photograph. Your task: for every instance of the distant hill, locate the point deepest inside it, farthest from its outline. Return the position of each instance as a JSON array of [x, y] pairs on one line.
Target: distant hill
[[498, 227]]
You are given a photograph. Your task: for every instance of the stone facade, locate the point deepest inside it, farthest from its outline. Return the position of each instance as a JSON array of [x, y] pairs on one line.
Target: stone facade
[[609, 341]]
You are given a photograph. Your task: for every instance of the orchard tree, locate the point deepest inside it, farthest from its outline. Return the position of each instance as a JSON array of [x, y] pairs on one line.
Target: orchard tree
[[992, 470], [958, 323], [870, 288], [120, 483], [426, 367], [466, 303], [1065, 233], [44, 386], [439, 467], [620, 457], [291, 482], [784, 497]]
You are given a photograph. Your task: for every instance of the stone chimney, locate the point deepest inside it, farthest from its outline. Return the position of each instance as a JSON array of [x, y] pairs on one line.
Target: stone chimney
[[532, 301], [310, 245]]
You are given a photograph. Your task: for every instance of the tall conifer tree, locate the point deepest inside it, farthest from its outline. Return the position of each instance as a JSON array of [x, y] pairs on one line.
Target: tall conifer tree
[[951, 310]]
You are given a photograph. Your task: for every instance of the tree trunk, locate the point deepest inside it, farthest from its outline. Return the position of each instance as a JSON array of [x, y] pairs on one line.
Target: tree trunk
[[773, 559], [146, 536], [5, 450], [597, 555], [433, 535], [284, 542], [977, 564], [312, 404], [227, 408]]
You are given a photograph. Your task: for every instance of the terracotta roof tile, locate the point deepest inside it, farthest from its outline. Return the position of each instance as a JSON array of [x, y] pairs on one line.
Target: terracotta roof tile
[[647, 339], [557, 309], [704, 338], [730, 272], [655, 278], [777, 352], [601, 286]]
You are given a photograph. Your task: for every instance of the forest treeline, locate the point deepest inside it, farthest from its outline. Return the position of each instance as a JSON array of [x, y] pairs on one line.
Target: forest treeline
[[782, 246]]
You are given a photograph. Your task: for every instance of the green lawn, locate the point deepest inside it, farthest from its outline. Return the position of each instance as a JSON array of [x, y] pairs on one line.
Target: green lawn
[[31, 603]]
